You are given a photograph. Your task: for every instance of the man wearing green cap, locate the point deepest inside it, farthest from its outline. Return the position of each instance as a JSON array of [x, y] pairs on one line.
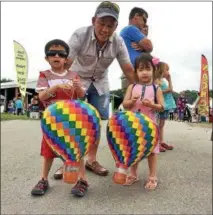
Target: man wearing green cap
[[92, 50]]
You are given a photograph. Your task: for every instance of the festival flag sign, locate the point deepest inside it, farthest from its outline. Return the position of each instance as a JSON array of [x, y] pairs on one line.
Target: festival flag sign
[[203, 104], [21, 65]]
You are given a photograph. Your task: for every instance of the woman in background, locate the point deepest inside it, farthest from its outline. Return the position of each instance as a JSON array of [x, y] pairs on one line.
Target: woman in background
[[164, 81]]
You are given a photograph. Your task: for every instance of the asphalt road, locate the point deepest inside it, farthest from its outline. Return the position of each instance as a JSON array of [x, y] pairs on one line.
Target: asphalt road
[[185, 176]]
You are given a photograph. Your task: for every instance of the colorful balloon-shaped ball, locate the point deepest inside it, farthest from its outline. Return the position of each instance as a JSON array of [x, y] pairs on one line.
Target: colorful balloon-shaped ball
[[131, 137], [71, 128]]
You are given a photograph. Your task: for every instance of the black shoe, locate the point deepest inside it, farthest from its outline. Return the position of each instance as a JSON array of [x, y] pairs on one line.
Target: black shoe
[[80, 188], [40, 188]]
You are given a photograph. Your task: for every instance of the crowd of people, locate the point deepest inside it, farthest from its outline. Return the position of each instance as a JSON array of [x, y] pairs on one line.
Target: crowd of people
[[79, 69], [16, 106]]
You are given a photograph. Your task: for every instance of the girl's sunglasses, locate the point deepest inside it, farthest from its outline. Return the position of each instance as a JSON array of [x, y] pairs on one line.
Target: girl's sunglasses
[[108, 4], [53, 53]]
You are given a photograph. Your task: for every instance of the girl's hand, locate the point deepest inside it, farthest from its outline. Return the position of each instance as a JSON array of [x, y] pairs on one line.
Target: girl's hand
[[135, 98], [64, 86], [167, 75], [76, 82], [147, 103]]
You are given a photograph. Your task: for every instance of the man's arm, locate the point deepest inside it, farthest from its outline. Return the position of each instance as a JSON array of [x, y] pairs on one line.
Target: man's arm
[[75, 46], [68, 64], [138, 37], [129, 72], [125, 63], [146, 45]]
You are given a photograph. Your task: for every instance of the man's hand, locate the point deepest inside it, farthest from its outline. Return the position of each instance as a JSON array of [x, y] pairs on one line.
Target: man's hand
[[136, 46], [145, 30]]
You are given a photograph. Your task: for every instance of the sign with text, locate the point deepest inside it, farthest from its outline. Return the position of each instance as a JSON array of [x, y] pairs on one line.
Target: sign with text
[[203, 105], [21, 65]]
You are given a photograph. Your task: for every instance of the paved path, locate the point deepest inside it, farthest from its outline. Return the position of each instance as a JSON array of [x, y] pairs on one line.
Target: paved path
[[185, 176]]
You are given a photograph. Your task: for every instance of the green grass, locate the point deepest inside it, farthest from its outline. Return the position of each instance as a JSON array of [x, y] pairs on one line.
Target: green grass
[[6, 116], [201, 124]]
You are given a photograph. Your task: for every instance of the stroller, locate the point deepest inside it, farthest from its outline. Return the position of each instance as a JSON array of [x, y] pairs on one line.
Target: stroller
[[187, 114]]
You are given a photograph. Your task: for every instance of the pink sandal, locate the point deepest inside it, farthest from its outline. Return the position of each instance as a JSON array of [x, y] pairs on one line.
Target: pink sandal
[[151, 183], [130, 180]]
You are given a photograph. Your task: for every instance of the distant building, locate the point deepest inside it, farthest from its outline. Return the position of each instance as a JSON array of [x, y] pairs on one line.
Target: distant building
[[124, 82], [10, 90]]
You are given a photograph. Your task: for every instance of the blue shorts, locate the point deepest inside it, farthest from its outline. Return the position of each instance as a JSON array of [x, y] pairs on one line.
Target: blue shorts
[[101, 103], [164, 114]]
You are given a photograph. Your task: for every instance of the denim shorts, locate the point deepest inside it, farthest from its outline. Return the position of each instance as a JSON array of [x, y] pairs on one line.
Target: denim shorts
[[101, 103], [164, 114]]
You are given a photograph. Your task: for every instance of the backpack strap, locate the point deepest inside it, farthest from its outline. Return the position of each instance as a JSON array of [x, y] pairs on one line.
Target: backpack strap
[[155, 93], [143, 92], [133, 86]]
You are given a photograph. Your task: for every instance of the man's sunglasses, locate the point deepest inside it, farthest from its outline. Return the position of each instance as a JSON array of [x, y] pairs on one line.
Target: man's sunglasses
[[53, 53], [108, 4]]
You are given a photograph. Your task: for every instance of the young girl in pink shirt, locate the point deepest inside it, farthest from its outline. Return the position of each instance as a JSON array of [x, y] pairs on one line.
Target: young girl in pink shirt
[[147, 98]]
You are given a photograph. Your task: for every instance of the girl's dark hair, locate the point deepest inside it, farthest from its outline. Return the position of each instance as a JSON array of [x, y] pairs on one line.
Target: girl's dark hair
[[58, 43], [145, 59]]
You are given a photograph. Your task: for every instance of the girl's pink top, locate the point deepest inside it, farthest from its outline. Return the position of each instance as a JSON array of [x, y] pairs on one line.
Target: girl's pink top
[[149, 94]]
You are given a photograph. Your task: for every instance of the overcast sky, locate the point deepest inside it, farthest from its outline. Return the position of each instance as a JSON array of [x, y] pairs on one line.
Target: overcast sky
[[180, 32]]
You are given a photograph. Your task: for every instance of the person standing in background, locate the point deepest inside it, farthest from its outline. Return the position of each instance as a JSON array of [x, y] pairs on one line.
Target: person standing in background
[[181, 105], [135, 37], [164, 81], [19, 106]]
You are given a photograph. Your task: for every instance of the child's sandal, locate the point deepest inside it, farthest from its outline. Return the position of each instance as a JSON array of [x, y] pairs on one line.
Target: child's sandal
[[130, 180], [151, 183]]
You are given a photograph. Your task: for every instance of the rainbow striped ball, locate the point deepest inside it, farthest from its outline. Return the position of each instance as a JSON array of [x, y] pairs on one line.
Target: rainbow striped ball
[[131, 137], [71, 128]]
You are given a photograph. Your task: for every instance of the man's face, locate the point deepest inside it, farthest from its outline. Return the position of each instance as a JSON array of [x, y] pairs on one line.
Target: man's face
[[104, 27], [141, 21], [145, 30]]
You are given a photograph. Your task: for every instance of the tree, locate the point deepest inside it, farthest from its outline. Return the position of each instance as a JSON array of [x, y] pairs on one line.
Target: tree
[[191, 96], [210, 93], [118, 97], [176, 95]]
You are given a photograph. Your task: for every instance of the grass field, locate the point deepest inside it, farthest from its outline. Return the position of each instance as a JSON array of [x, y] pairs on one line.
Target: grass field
[[201, 124], [6, 116]]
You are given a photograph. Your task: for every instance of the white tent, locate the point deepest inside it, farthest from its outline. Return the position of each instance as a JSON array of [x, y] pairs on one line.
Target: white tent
[[2, 97], [31, 84], [210, 102]]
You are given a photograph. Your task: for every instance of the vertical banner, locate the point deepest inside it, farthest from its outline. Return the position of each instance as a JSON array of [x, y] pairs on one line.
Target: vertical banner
[[21, 65], [203, 104]]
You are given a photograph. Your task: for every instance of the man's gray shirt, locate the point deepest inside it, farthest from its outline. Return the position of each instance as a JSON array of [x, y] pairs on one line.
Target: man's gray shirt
[[88, 62]]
